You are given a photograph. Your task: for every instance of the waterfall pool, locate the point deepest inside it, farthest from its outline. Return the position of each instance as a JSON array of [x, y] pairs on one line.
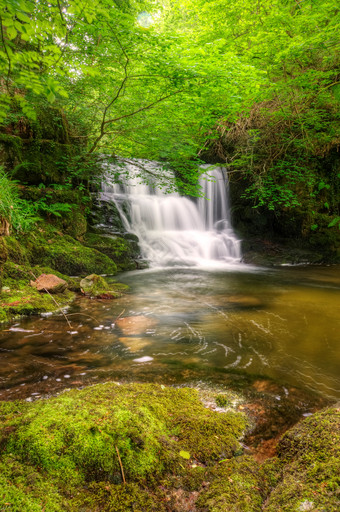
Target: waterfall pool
[[184, 325]]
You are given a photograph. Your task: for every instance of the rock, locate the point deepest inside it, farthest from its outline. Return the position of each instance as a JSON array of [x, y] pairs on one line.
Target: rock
[[49, 283], [96, 286], [134, 325]]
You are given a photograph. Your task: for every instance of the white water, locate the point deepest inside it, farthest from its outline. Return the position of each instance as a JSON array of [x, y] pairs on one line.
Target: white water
[[175, 230]]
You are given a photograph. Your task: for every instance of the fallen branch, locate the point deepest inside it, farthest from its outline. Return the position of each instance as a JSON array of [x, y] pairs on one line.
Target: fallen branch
[[121, 465]]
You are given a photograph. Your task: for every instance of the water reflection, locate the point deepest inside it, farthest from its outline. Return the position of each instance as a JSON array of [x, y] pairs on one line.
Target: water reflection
[[182, 324]]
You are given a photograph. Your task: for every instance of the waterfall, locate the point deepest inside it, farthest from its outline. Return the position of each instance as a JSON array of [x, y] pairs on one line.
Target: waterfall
[[176, 230]]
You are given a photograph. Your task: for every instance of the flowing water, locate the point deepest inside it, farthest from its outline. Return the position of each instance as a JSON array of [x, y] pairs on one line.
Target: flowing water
[[191, 324], [175, 230], [209, 318]]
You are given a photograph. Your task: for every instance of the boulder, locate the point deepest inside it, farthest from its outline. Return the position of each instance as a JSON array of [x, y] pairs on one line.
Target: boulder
[[49, 283], [95, 286]]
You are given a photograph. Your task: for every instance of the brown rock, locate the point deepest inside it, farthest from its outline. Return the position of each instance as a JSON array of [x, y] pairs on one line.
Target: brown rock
[[134, 325], [49, 283]]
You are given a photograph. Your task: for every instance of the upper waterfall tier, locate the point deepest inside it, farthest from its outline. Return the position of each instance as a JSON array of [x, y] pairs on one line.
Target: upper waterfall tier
[[176, 230]]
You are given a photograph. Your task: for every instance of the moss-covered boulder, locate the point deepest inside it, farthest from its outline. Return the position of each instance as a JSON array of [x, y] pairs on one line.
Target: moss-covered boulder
[[123, 252], [98, 287], [67, 255], [310, 457], [151, 448], [15, 250], [81, 446]]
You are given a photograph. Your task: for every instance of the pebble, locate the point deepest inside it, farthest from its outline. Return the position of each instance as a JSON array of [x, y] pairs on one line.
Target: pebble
[[144, 359]]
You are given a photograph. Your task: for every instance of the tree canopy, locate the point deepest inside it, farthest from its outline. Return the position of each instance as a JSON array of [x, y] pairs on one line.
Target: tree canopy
[[168, 80]]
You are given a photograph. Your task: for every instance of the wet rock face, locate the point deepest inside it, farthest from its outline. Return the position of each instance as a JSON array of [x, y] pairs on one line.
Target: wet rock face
[[123, 250], [49, 283]]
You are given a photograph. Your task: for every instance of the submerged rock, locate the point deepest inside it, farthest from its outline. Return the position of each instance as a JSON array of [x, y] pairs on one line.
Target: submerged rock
[[135, 325], [49, 283]]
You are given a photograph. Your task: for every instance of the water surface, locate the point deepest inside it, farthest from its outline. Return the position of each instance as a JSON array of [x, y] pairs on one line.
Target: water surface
[[209, 325]]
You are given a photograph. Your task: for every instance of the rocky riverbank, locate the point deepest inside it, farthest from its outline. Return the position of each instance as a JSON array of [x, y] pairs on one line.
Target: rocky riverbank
[[46, 250]]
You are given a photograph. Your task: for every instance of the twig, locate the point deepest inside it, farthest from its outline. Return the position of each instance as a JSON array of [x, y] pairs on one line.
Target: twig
[[115, 320], [121, 465]]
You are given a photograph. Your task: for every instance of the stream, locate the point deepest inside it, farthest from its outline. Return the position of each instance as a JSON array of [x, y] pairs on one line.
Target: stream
[[186, 325]]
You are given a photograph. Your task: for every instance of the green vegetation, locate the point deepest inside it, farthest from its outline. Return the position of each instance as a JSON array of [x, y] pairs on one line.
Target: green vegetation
[[252, 86], [113, 447], [70, 446]]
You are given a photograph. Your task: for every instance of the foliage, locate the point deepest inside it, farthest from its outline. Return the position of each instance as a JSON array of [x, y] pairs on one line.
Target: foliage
[[255, 85], [17, 212]]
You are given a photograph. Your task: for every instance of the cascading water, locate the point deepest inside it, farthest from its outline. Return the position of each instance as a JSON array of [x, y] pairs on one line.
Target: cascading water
[[175, 230]]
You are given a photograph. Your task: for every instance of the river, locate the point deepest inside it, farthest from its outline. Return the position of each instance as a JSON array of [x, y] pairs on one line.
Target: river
[[186, 325]]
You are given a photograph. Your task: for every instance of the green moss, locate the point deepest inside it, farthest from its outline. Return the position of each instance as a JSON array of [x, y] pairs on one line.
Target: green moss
[[74, 223], [66, 255], [97, 286], [222, 400], [74, 439], [236, 487], [22, 488], [121, 251], [118, 498], [310, 453], [16, 251], [62, 454], [3, 250], [25, 300]]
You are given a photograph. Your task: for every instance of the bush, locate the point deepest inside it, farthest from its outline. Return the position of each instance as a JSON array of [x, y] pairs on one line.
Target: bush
[[14, 211]]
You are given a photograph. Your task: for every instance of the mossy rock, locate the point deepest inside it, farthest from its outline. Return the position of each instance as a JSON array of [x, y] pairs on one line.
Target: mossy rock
[[24, 300], [17, 276], [123, 252], [97, 286], [236, 487], [16, 251], [3, 250], [74, 442], [69, 453], [310, 454], [68, 256]]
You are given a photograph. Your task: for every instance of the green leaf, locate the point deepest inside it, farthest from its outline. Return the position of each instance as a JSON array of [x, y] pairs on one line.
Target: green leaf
[[23, 17], [11, 33], [334, 222], [184, 454]]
